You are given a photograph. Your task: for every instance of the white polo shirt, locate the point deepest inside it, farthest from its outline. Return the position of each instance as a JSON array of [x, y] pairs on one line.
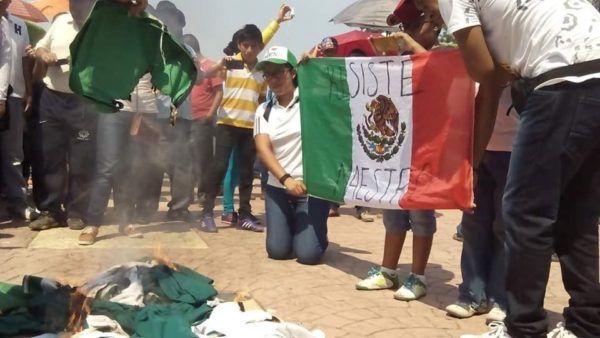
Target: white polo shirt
[[19, 36], [283, 129], [57, 40]]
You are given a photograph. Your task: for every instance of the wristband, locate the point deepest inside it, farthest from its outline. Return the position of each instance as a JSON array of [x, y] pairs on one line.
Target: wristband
[[283, 178]]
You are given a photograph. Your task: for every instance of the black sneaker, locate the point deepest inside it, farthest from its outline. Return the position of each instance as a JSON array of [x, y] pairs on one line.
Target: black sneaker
[[182, 215], [45, 222], [253, 219], [28, 214]]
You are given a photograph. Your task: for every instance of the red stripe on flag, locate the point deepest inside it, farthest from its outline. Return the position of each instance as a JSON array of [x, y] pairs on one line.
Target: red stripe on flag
[[443, 108]]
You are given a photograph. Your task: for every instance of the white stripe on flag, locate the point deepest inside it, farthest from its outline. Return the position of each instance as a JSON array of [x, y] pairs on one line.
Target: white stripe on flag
[[380, 171]]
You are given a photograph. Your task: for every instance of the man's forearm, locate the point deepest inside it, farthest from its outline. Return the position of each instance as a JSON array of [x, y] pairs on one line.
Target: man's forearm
[[486, 108]]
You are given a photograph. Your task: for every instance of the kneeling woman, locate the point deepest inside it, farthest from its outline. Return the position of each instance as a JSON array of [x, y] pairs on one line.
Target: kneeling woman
[[296, 223]]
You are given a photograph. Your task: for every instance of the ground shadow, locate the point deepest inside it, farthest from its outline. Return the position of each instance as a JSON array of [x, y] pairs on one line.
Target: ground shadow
[[6, 235], [338, 257]]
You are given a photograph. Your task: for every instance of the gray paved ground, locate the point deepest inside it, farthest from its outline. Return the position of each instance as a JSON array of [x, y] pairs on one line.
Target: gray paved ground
[[320, 296]]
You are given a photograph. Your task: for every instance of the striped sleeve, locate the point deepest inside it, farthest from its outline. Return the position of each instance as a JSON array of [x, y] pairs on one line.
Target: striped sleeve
[[261, 126]]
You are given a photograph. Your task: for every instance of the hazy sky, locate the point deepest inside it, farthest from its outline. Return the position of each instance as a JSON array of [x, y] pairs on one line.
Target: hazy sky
[[214, 21]]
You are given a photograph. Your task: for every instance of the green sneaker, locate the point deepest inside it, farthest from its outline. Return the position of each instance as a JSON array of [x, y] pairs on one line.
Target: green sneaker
[[412, 289], [378, 280]]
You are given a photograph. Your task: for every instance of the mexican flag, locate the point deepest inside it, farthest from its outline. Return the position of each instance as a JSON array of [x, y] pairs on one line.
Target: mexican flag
[[389, 132]]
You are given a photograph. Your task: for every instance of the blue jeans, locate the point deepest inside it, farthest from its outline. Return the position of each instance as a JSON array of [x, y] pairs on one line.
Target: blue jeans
[[112, 164], [482, 262], [231, 180], [551, 204], [295, 226]]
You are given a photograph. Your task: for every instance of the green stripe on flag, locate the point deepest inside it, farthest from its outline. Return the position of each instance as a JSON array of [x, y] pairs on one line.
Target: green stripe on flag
[[326, 127]]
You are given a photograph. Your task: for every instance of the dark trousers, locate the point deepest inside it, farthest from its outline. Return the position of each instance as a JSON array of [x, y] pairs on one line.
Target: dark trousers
[[112, 168], [551, 204], [68, 134], [32, 148], [11, 156], [202, 136], [176, 158], [228, 137], [483, 263]]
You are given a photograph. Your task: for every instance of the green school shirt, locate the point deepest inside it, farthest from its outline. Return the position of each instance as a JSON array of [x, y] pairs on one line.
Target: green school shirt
[[113, 50]]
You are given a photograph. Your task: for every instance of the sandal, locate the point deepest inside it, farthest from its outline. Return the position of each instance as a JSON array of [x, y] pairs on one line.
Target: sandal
[[249, 225], [130, 231]]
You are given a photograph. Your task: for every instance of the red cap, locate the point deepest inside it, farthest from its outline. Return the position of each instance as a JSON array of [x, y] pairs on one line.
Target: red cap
[[405, 11]]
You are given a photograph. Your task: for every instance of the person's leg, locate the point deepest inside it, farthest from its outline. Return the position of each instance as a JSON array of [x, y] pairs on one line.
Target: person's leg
[[558, 130], [146, 173], [576, 244], [12, 157], [423, 226], [280, 222], [396, 224], [53, 145], [477, 241], [226, 137], [33, 136], [203, 133], [83, 124], [496, 289], [230, 181], [310, 229], [180, 161], [247, 154], [112, 145]]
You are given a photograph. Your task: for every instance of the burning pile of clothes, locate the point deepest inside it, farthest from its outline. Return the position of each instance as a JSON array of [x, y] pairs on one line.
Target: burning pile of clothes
[[147, 299]]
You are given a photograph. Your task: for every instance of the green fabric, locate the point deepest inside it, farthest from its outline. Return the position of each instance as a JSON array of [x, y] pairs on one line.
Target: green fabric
[[36, 33], [184, 285], [11, 297], [324, 97], [38, 313], [189, 292], [114, 50]]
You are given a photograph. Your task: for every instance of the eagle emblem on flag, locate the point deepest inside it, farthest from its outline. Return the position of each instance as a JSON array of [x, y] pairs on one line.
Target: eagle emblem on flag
[[382, 134]]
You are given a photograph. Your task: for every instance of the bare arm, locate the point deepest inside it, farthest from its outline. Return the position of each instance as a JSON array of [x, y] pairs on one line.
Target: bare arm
[[491, 77], [216, 102]]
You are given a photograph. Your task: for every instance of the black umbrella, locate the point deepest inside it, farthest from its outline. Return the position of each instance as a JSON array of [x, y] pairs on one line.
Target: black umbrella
[[369, 14]]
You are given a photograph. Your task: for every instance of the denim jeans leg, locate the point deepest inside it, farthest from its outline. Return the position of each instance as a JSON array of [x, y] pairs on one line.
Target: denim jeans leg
[[280, 220], [310, 229], [112, 144], [496, 279], [556, 150], [477, 240]]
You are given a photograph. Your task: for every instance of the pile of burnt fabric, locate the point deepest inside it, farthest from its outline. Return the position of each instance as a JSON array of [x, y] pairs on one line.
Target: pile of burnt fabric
[[139, 299]]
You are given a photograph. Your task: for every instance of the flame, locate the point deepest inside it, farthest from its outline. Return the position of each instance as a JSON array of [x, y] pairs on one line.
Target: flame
[[160, 257], [79, 308]]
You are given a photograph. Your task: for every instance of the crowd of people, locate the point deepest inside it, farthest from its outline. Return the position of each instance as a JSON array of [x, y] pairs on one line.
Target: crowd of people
[[536, 150]]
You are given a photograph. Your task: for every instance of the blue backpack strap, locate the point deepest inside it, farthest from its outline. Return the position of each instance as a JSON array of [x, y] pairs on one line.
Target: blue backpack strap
[[268, 110]]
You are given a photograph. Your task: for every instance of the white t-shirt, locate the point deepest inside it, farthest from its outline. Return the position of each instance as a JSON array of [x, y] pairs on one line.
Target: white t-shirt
[[143, 98], [506, 126], [531, 36], [58, 40], [283, 128], [19, 35]]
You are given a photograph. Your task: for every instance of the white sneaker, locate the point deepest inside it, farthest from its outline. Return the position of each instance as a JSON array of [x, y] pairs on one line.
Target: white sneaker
[[497, 330], [412, 289], [378, 280], [496, 314], [561, 332], [464, 310]]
